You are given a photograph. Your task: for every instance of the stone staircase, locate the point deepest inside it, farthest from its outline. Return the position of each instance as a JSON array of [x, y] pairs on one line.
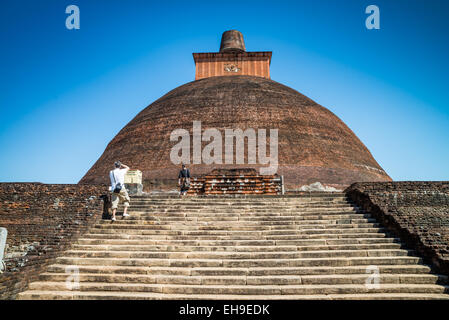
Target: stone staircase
[[315, 246]]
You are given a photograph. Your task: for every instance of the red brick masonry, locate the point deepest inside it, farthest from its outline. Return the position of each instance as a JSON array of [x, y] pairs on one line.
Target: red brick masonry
[[235, 181], [42, 221], [417, 212], [314, 144]]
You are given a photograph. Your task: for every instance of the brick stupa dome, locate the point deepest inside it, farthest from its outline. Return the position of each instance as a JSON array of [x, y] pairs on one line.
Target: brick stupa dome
[[314, 144]]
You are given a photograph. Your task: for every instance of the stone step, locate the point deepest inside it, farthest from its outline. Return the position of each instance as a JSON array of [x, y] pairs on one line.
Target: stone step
[[174, 196], [378, 234], [111, 229], [246, 280], [233, 208], [291, 194], [264, 216], [236, 222], [235, 227], [224, 198], [243, 206], [237, 199], [257, 271], [256, 219], [174, 237], [254, 203], [184, 248], [237, 255], [242, 263], [230, 211], [125, 223], [244, 289], [237, 243], [118, 295], [150, 236], [233, 235]]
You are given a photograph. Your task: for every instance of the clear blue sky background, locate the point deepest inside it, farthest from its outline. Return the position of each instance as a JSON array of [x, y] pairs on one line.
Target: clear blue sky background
[[60, 90]]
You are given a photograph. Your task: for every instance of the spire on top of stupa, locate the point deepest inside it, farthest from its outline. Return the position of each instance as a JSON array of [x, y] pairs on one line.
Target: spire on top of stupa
[[232, 41]]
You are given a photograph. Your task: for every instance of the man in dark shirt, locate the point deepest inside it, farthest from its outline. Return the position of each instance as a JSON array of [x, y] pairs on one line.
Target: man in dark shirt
[[184, 180]]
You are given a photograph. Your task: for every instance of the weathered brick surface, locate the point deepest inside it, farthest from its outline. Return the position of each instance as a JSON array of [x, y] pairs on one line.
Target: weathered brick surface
[[417, 212], [314, 144], [42, 221]]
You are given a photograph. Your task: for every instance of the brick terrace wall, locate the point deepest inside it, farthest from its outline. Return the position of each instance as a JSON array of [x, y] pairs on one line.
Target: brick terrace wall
[[235, 181], [417, 212], [42, 221]]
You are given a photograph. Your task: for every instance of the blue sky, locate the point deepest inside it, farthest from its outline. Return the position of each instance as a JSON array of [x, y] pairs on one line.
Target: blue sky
[[60, 89]]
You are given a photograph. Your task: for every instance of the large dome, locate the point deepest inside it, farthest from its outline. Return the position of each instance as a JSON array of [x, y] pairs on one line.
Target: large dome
[[314, 144]]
